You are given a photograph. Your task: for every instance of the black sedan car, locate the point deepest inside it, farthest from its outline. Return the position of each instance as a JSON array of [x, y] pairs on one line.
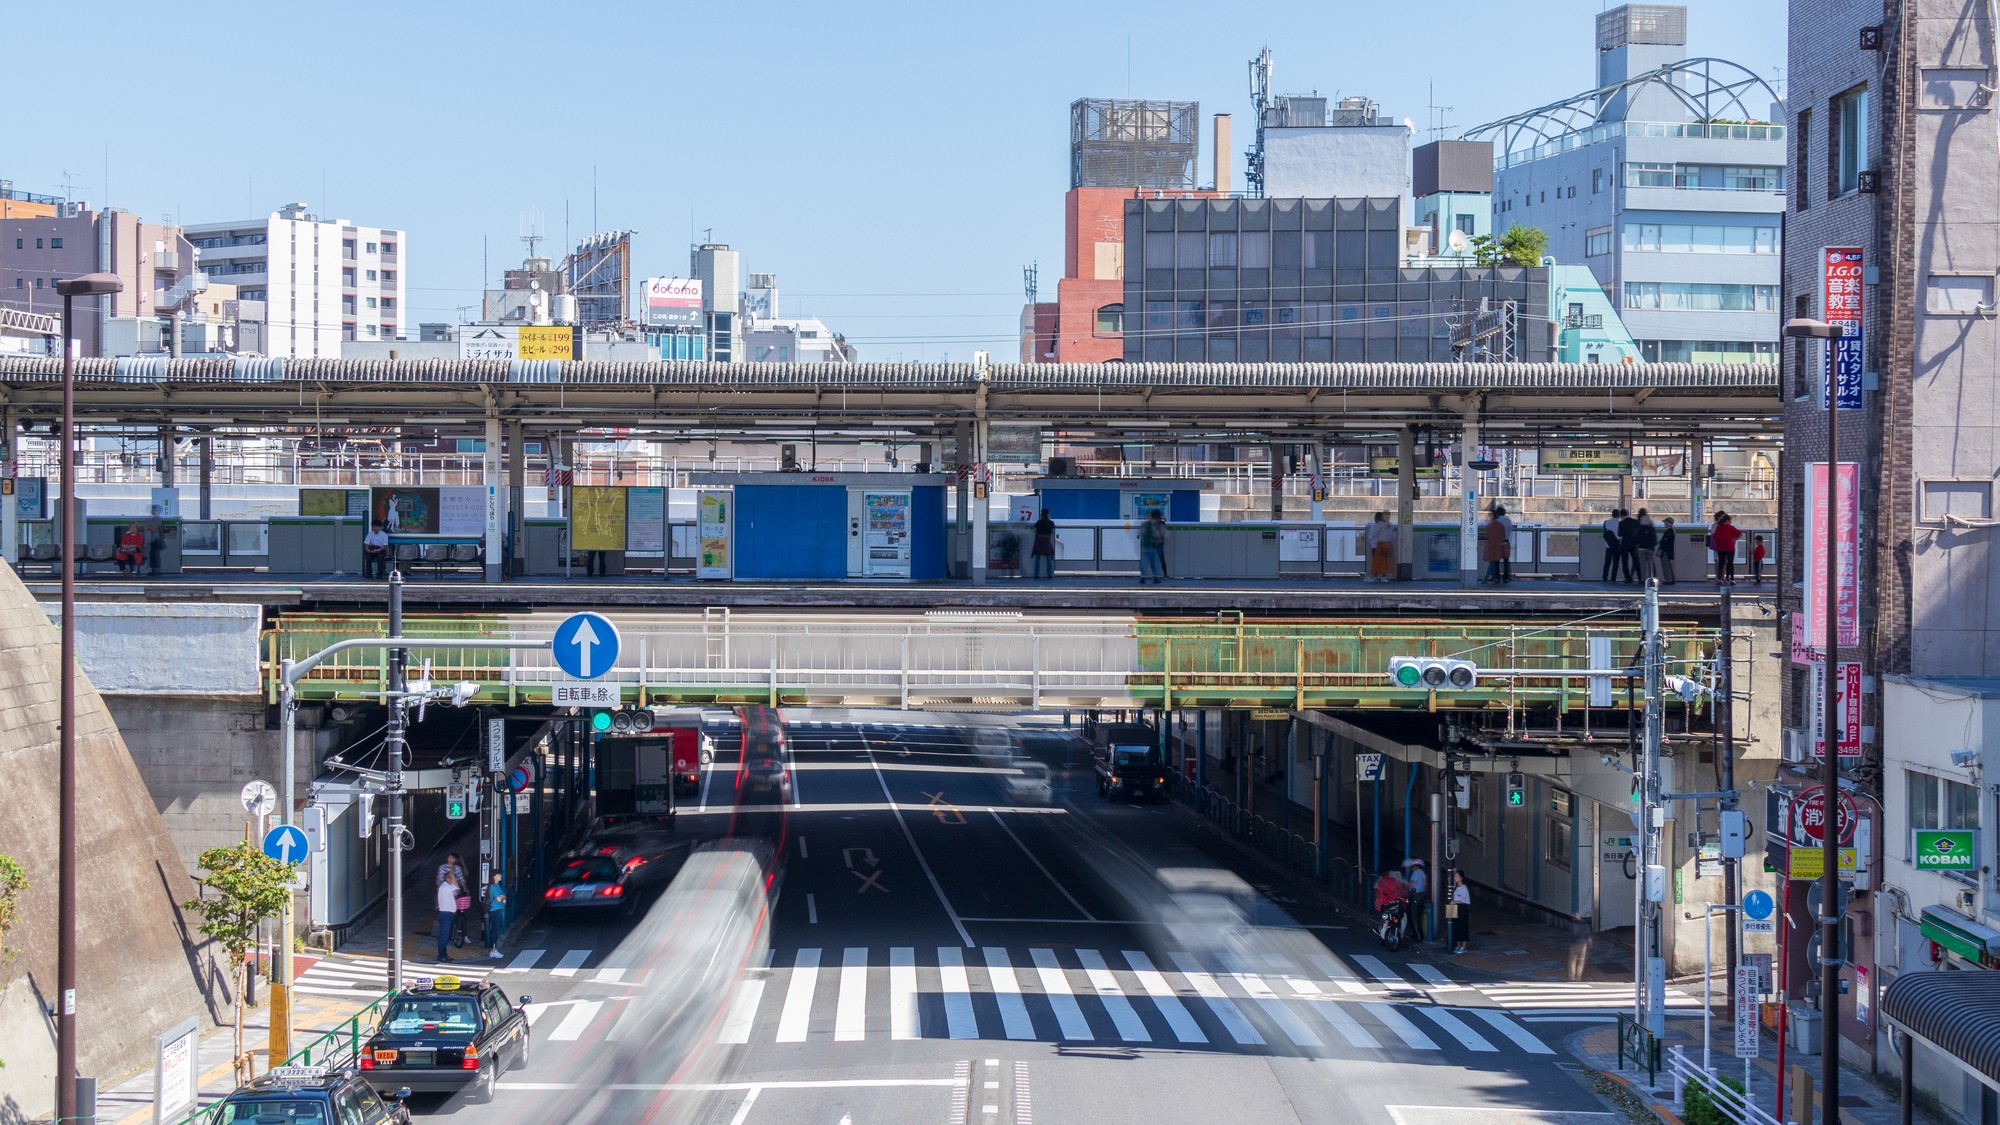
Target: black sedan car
[[309, 1095], [442, 1035], [596, 881]]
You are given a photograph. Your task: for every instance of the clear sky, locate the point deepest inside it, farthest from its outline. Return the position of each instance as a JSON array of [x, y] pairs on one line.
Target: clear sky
[[895, 164]]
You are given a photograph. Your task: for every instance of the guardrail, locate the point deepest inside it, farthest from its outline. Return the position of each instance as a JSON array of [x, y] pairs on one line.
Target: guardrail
[[1725, 1093], [1639, 1045], [334, 1048]]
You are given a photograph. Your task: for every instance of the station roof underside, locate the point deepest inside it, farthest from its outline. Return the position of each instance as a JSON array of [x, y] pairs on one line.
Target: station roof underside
[[1658, 400]]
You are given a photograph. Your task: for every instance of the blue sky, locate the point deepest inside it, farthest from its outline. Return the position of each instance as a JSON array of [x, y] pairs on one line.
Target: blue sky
[[895, 164]]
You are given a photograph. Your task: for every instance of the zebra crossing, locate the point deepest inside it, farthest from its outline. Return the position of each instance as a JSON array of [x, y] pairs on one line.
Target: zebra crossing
[[363, 976]]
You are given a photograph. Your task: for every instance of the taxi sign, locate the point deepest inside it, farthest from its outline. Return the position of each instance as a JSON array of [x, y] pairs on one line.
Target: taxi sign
[[444, 984], [297, 1073]]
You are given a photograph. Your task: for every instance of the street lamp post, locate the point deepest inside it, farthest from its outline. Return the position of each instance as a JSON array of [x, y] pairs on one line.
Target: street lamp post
[[89, 285], [1829, 917]]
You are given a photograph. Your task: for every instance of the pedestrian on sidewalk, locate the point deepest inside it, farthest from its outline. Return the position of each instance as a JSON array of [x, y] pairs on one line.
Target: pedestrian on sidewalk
[[1153, 548], [1646, 546], [1420, 887], [454, 868], [1666, 555], [1460, 912], [447, 900], [1381, 548], [496, 915], [1042, 556], [1722, 539]]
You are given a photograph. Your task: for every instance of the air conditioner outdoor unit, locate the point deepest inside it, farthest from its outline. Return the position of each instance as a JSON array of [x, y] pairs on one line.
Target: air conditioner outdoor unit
[[1795, 747]]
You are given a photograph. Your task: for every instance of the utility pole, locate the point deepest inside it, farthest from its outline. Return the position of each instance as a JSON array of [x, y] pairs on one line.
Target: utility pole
[[1725, 717], [393, 741], [1651, 964]]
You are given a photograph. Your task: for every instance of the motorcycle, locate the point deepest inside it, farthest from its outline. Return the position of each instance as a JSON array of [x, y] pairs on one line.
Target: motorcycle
[[1390, 927]]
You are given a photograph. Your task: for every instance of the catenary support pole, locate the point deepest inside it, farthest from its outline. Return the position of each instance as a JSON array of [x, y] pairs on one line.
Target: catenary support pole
[[205, 476], [66, 742], [10, 503], [1725, 717], [281, 960], [1406, 503], [517, 496], [393, 742], [1649, 953]]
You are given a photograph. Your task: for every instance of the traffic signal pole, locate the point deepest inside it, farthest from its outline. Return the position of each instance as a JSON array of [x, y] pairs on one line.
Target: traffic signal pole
[[393, 743], [1649, 956]]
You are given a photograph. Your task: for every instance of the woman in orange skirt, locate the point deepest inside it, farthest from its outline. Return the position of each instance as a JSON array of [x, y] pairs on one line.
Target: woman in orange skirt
[[1381, 549]]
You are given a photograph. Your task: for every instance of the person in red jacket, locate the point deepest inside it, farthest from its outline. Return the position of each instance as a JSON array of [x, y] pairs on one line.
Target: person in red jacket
[[1756, 560], [1722, 539]]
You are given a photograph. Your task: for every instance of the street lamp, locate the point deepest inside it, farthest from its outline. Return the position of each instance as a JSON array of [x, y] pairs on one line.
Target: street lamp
[[1804, 328], [89, 285]]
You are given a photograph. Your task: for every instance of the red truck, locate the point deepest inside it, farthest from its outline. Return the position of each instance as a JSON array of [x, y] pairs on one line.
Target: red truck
[[641, 773]]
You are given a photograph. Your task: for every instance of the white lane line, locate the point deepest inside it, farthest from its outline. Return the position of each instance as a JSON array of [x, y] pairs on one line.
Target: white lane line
[[903, 993], [570, 963], [1155, 983], [525, 960], [743, 1110], [579, 1017], [1436, 978], [1513, 1031], [1456, 1028], [1337, 973], [956, 988], [803, 853], [1069, 1016], [628, 1015], [1006, 989], [797, 1012], [812, 910], [1217, 1000], [1124, 1017], [1280, 1012], [1375, 968], [850, 1017], [1046, 873], [1332, 1013], [1389, 1016], [742, 1013], [910, 838]]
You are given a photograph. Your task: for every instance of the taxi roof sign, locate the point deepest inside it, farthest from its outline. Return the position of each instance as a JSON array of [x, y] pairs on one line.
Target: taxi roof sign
[[297, 1073], [444, 983]]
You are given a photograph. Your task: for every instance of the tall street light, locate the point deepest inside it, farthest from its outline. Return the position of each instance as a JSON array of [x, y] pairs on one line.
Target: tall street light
[[89, 285], [1829, 776]]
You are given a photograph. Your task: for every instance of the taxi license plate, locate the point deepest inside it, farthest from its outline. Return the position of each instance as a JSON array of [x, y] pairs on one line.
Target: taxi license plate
[[420, 1058], [385, 1054]]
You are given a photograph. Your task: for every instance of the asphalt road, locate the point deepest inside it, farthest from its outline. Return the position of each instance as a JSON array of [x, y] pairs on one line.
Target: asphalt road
[[942, 952]]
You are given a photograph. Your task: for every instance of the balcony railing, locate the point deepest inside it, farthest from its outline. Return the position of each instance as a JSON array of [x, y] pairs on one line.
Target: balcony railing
[[1598, 133]]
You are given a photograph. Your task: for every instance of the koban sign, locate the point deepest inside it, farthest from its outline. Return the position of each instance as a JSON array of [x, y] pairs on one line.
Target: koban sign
[[1946, 849]]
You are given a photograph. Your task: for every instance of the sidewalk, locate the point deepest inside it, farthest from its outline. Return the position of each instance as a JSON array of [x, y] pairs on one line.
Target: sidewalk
[[1863, 1100]]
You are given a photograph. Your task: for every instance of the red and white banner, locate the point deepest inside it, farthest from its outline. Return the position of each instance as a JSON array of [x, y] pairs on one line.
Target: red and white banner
[[1847, 704], [1847, 516], [673, 301]]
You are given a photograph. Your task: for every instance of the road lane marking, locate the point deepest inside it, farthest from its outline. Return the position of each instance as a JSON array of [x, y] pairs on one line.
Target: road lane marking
[[911, 839], [1055, 984], [570, 963], [1332, 1013], [903, 993], [812, 910], [1390, 1017], [579, 1017], [850, 1018], [1438, 981], [1217, 1000], [1280, 1012], [742, 1013], [743, 1110], [956, 988], [1170, 1007], [524, 960], [1046, 873], [792, 1020], [1375, 968], [609, 976], [1456, 1028], [1124, 1017], [1337, 973], [803, 853], [1006, 989], [1513, 1031]]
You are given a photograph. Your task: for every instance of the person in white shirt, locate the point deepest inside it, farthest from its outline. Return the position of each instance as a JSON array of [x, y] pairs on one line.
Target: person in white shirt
[[375, 552], [1381, 548], [447, 898]]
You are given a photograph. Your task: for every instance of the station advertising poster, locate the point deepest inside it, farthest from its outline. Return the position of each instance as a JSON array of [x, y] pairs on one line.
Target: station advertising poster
[[407, 510], [1144, 504], [547, 342], [31, 497], [1847, 511], [712, 519], [323, 502], [1011, 444], [646, 520], [462, 511], [597, 517], [165, 503]]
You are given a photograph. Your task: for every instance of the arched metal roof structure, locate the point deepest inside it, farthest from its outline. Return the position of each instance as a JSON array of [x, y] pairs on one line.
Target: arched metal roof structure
[[1709, 89]]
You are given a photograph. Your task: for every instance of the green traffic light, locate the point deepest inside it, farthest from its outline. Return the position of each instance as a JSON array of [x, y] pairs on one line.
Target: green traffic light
[[600, 720], [1408, 675]]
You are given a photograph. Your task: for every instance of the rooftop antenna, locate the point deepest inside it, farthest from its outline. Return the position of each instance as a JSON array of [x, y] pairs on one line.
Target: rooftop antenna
[[1029, 275], [69, 180], [1437, 113], [1260, 100], [531, 230]]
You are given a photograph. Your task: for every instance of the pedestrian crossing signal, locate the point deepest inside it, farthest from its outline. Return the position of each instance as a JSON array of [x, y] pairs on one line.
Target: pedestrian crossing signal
[[1517, 790], [454, 801]]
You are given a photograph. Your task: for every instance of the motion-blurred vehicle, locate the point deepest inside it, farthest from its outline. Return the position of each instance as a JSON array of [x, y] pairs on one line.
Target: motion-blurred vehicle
[[993, 747], [1127, 760], [766, 770], [1029, 783], [310, 1095], [442, 1035], [1207, 911], [605, 880]]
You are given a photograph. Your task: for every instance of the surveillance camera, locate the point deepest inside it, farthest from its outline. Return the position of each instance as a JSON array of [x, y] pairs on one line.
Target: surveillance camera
[[1965, 759], [1606, 759], [462, 692]]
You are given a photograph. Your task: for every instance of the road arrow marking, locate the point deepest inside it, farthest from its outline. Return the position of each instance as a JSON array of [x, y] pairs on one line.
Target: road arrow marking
[[867, 856]]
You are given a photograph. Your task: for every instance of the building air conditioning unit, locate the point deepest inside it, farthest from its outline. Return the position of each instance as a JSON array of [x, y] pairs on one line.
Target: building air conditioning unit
[[1796, 747], [1869, 181], [1062, 466]]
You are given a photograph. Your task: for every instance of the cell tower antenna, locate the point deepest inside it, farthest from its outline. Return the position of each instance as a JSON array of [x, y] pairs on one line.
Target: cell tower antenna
[[1029, 276], [1260, 100], [69, 180], [531, 230], [1437, 113]]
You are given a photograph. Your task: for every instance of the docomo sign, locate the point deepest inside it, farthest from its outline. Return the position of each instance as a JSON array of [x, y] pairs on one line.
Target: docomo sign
[[673, 300], [1848, 514], [1809, 817]]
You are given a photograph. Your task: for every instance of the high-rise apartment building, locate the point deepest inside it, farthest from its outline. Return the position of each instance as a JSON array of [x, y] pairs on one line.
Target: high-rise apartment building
[[305, 284], [1667, 179], [43, 240]]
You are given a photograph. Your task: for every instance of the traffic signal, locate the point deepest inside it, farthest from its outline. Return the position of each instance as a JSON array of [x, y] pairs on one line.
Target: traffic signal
[[1433, 673], [631, 720], [454, 801], [1462, 791], [600, 721], [1517, 790]]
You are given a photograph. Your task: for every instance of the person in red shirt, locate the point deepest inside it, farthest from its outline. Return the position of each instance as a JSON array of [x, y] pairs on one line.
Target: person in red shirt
[[1756, 560], [1389, 888], [1722, 539]]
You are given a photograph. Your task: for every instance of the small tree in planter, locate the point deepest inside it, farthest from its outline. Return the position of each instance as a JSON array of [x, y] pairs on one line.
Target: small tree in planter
[[243, 888]]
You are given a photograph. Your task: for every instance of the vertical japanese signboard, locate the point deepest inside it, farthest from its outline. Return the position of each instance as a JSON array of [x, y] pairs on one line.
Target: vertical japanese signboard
[[1847, 514], [1840, 299], [1847, 704]]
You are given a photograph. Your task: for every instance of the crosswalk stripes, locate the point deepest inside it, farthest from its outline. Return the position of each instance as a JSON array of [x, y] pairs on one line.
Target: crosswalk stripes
[[1163, 997], [1456, 1028], [1391, 1016], [1218, 1001], [1069, 1015], [956, 987], [903, 993], [361, 975], [1513, 1031], [742, 1012], [798, 997], [850, 1021], [1124, 1017], [1006, 986], [570, 963]]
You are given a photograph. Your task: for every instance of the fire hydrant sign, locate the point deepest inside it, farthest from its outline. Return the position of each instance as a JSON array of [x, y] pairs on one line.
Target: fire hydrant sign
[[1746, 1012]]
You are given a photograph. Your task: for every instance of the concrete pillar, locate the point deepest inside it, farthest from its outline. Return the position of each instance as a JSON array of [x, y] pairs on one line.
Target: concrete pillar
[[517, 496], [981, 505], [496, 498], [1277, 481], [1697, 480], [166, 440], [1318, 481], [205, 489], [1468, 508], [1406, 503], [962, 541], [10, 500]]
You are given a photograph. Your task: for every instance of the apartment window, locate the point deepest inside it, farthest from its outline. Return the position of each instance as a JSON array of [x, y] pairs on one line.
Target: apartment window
[[55, 244], [38, 283], [1708, 351], [1596, 181], [1253, 250], [388, 277], [1111, 319], [347, 305], [1159, 316], [347, 248], [1639, 173], [371, 248], [1686, 296], [1319, 250], [1159, 248], [371, 302], [1753, 178], [1221, 248], [347, 332], [1847, 122], [389, 305], [1597, 243], [1966, 499], [369, 274], [388, 248], [347, 276], [371, 330], [1764, 240], [38, 244], [1190, 250], [1188, 316], [469, 445], [1936, 802], [1464, 224]]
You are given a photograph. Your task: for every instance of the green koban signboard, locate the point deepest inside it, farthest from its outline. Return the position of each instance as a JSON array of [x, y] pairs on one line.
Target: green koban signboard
[[1946, 849]]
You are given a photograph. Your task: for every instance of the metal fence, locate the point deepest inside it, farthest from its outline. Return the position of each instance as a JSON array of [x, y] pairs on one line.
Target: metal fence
[[336, 1048]]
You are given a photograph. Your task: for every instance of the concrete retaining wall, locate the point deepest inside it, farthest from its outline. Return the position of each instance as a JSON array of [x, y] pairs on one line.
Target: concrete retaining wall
[[201, 649]]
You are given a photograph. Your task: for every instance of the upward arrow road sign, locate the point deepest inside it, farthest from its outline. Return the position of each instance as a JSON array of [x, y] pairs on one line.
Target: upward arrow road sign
[[286, 844], [586, 645]]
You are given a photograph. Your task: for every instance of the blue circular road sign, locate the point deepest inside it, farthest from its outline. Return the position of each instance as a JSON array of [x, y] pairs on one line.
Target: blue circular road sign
[[1757, 904], [286, 844], [585, 645]]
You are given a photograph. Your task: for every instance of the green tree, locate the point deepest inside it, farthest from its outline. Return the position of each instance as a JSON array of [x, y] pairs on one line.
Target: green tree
[[13, 880], [1520, 246], [243, 888]]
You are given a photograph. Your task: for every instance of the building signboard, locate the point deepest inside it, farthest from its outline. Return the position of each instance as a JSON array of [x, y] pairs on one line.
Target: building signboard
[[547, 341], [1847, 701], [1585, 461], [1841, 269], [1945, 849], [673, 301], [1847, 513], [488, 341], [712, 510]]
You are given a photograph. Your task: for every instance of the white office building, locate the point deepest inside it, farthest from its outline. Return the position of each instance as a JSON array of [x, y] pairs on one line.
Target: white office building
[[306, 284]]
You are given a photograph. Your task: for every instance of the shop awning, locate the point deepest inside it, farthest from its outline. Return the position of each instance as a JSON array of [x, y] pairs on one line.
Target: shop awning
[[1955, 1011], [1960, 935]]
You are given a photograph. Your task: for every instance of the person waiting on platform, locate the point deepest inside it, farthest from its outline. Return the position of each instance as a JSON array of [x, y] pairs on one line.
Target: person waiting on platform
[[1381, 549], [1042, 556], [375, 552]]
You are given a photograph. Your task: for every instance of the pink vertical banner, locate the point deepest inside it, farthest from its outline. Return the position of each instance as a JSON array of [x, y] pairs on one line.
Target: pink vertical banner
[[1847, 516]]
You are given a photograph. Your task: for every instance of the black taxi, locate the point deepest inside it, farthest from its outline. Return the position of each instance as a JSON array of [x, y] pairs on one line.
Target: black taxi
[[309, 1095], [442, 1034]]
